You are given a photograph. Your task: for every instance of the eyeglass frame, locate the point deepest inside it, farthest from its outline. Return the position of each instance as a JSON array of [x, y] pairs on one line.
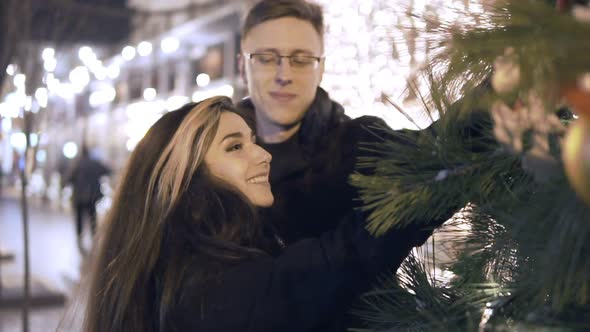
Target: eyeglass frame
[[277, 63]]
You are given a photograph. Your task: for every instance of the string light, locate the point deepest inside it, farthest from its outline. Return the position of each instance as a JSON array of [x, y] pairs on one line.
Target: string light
[[11, 69], [128, 53], [169, 44], [144, 48], [373, 48]]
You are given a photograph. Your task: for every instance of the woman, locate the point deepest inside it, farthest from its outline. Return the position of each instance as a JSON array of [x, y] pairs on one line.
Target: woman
[[182, 249]]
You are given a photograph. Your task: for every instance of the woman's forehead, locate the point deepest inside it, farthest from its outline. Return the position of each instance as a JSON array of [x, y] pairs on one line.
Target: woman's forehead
[[230, 123]]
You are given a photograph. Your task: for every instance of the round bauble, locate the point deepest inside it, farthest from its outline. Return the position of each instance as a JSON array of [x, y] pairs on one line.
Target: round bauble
[[577, 96], [576, 157]]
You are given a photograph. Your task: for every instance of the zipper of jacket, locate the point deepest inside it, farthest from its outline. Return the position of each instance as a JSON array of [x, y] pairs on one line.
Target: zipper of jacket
[[280, 241]]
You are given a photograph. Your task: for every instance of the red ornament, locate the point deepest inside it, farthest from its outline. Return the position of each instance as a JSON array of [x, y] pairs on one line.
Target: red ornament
[[562, 5], [578, 100]]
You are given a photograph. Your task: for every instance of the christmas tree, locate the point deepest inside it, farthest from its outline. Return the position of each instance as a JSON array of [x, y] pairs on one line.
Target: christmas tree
[[512, 147]]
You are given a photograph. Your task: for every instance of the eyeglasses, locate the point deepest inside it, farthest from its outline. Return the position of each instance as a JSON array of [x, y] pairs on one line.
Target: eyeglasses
[[298, 62]]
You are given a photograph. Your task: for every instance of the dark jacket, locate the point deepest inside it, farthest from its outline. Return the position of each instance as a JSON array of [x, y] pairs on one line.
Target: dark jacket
[[294, 291], [309, 172], [85, 179], [310, 182]]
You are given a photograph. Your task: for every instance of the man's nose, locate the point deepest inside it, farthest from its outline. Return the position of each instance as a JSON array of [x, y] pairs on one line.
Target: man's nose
[[283, 75]]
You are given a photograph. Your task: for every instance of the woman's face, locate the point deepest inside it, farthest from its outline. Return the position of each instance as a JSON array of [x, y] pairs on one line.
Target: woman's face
[[235, 158]]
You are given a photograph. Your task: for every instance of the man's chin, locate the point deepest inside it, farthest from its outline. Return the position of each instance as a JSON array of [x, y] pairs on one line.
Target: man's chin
[[287, 117]]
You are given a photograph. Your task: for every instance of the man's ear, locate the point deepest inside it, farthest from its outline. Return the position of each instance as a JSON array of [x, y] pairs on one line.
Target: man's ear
[[242, 67]]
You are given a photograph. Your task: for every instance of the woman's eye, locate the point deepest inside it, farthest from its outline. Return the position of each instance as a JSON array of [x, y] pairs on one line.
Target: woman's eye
[[234, 147]]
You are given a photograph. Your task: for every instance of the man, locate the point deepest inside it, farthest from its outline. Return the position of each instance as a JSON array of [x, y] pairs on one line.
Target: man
[[312, 141]]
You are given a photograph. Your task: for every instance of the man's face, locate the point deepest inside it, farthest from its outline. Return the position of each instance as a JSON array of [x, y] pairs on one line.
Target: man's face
[[281, 93]]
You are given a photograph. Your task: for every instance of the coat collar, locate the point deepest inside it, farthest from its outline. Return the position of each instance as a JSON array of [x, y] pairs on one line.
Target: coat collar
[[322, 115]]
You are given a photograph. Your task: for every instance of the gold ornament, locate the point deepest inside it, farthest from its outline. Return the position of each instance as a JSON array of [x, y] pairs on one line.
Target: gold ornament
[[576, 157]]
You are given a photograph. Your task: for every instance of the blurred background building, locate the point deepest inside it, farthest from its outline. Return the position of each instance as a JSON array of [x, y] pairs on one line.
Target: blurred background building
[[108, 92]]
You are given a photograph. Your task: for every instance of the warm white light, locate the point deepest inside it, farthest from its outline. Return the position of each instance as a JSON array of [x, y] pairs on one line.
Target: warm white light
[[94, 65], [169, 44], [100, 73], [113, 71], [10, 69], [369, 56], [18, 141], [101, 97], [79, 77], [65, 90], [149, 94], [365, 8], [6, 122], [50, 64], [8, 111], [144, 110], [203, 80], [86, 54], [131, 144], [141, 116], [175, 102], [70, 150], [48, 77], [47, 54], [19, 80], [223, 90], [41, 94], [14, 101], [144, 48], [11, 111], [128, 53], [28, 103], [52, 83]]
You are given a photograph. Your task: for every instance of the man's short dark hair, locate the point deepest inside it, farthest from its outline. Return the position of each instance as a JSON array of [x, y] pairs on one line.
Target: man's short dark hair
[[267, 10]]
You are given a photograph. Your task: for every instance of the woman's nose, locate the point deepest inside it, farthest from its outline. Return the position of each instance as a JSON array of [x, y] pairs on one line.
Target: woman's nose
[[262, 155]]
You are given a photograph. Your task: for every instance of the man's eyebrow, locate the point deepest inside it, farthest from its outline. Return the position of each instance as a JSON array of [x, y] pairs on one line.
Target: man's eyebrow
[[277, 51]]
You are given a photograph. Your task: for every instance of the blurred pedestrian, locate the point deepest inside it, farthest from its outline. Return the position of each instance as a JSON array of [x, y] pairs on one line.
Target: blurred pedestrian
[[84, 176]]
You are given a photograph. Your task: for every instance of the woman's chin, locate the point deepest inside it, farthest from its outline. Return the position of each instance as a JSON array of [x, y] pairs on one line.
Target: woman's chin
[[264, 201]]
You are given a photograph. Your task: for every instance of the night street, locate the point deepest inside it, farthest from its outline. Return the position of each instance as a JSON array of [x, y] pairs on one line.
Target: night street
[[54, 261]]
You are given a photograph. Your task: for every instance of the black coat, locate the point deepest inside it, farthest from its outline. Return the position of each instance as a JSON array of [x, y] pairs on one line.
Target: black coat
[[294, 291], [85, 179], [310, 182], [310, 173]]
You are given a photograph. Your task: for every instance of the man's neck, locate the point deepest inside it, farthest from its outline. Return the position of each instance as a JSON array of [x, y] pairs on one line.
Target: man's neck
[[272, 134]]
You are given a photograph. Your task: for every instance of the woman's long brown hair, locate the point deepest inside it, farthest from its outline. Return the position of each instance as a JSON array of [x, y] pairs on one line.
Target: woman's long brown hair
[[165, 203]]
